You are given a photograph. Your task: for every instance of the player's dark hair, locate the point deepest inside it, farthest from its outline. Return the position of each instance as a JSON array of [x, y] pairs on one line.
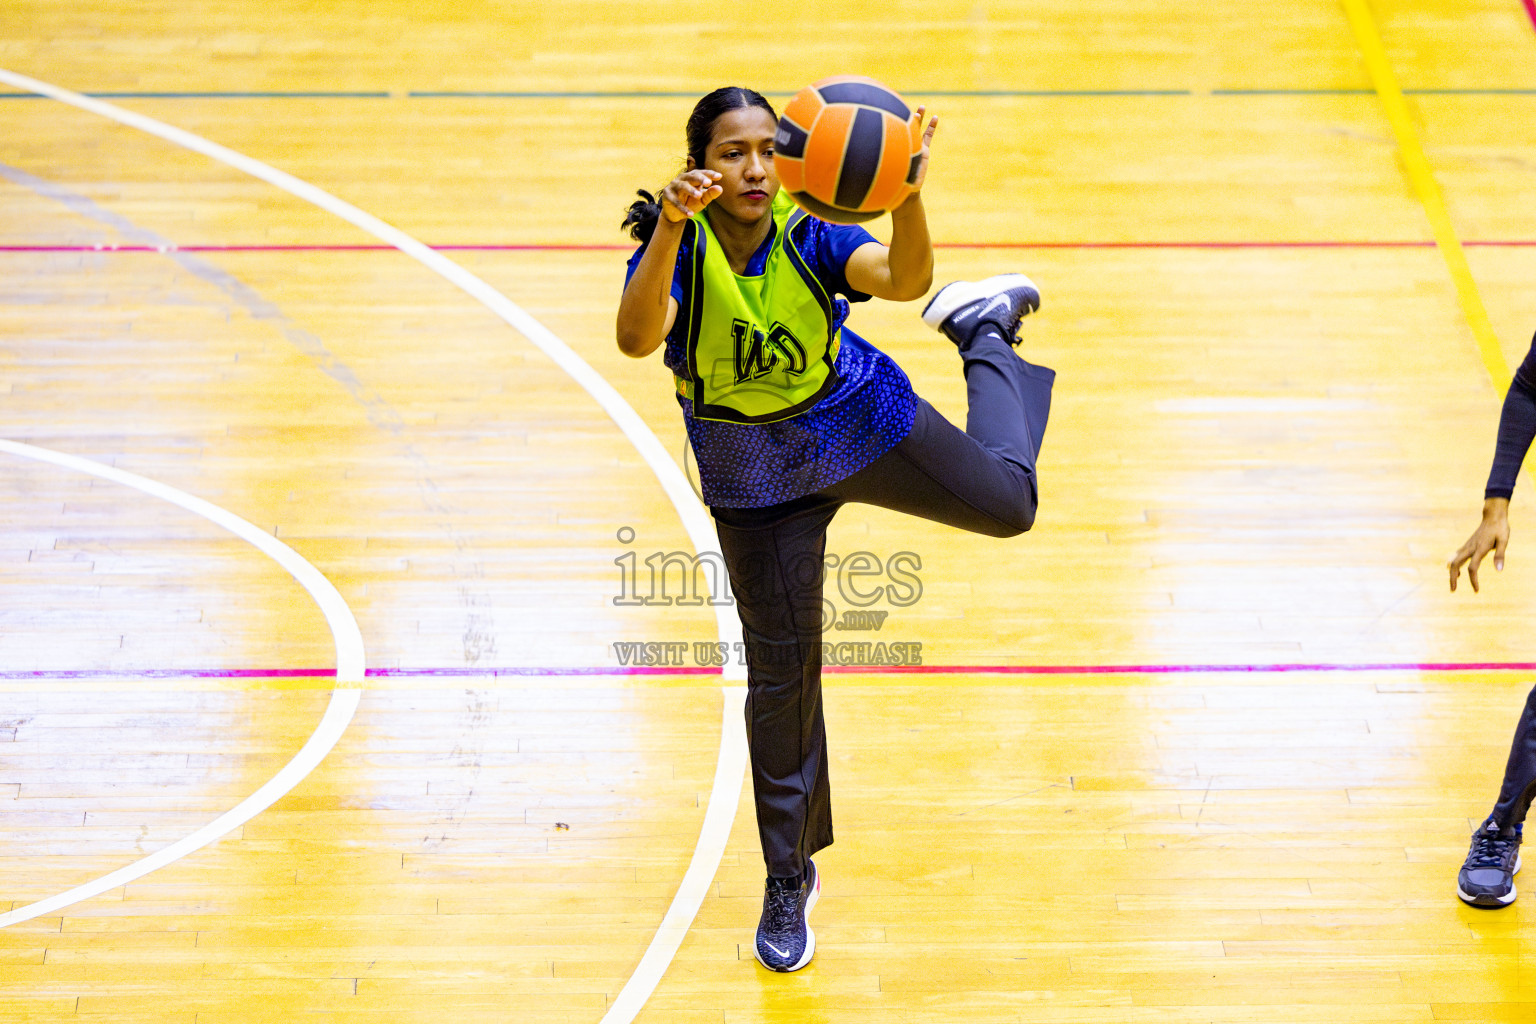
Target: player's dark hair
[[640, 220]]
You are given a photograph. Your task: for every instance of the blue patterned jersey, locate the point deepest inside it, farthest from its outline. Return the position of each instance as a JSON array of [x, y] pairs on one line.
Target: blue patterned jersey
[[868, 412]]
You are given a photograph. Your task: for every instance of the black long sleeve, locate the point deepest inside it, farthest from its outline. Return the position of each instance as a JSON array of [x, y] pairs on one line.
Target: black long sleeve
[[1517, 428]]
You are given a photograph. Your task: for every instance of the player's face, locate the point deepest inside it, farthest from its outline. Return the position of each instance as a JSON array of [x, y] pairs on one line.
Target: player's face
[[742, 151]]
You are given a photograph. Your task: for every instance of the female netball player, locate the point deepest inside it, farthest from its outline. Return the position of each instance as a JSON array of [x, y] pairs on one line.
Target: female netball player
[[1487, 879], [791, 416]]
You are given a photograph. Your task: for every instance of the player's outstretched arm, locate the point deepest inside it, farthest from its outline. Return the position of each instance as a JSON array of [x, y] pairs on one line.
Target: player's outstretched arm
[[1517, 429], [647, 310], [1492, 534]]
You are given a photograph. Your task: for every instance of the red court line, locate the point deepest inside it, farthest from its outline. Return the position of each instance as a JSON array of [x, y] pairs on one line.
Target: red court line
[[699, 670], [1530, 9], [321, 247], [1156, 670], [316, 247]]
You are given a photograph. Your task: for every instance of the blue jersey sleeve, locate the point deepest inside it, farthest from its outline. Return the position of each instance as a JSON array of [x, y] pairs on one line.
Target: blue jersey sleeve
[[677, 283], [834, 244]]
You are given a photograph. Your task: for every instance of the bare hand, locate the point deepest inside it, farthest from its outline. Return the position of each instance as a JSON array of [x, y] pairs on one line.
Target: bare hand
[[922, 161], [1492, 534], [689, 193]]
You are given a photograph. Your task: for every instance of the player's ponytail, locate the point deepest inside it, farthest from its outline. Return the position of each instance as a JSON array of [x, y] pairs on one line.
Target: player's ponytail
[[640, 220]]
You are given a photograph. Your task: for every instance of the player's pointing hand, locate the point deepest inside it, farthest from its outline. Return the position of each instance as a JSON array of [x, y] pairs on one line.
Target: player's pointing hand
[[688, 193]]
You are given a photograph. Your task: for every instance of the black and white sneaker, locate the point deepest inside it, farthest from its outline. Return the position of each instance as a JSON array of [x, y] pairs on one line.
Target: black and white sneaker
[[1487, 878], [960, 308], [785, 941]]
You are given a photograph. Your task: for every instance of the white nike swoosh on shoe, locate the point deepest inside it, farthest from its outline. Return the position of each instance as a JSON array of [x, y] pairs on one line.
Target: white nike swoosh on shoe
[[776, 949], [1000, 302]]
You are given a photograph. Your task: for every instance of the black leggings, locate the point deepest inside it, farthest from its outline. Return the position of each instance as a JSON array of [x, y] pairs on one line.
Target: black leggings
[[1520, 773], [982, 480]]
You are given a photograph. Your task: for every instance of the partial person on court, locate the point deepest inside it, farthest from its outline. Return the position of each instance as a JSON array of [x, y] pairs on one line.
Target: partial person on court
[[791, 415], [1487, 878]]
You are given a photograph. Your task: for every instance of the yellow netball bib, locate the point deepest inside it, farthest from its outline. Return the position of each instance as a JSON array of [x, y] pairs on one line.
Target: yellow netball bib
[[759, 348]]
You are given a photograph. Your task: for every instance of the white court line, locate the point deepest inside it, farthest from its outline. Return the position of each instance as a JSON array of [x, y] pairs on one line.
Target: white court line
[[344, 699], [695, 520], [730, 766], [718, 816]]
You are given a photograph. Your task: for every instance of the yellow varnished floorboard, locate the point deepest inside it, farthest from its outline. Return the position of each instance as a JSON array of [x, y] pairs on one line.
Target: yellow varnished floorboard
[[1258, 454]]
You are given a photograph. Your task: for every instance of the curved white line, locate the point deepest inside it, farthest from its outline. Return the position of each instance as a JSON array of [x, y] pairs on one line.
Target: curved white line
[[718, 816], [685, 904], [344, 699], [676, 485]]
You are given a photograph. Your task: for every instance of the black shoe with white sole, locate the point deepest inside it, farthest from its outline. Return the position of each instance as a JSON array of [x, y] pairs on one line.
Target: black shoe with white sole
[[785, 941], [963, 306], [1487, 878]]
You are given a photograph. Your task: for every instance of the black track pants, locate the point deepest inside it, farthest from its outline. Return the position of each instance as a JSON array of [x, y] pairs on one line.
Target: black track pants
[[981, 480], [1520, 774]]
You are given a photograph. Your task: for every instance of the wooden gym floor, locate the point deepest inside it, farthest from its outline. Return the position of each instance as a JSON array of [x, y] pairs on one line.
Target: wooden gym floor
[[1205, 746]]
